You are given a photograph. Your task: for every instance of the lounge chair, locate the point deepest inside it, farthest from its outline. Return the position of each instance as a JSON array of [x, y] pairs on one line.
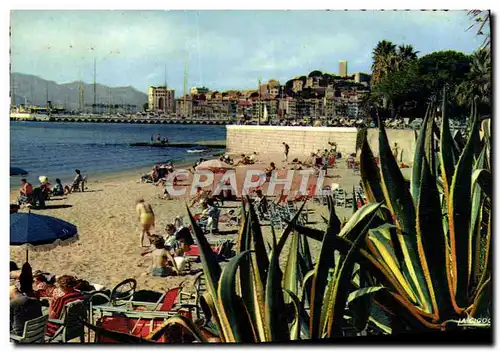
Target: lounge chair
[[34, 331], [70, 324]]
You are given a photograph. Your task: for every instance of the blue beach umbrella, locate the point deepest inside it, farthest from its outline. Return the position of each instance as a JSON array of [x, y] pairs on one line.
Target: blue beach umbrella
[[40, 232], [14, 171]]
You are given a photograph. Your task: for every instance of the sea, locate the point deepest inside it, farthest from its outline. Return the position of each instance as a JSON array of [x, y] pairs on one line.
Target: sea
[[56, 149]]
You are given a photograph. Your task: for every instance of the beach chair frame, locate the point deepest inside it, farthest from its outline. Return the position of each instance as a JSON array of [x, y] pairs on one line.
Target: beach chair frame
[[34, 331], [71, 325]]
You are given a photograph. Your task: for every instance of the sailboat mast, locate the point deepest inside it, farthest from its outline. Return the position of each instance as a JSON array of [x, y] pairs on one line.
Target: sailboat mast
[[258, 91], [95, 97], [185, 86]]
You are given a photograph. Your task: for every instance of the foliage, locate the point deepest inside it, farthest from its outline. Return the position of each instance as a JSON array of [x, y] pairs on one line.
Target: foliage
[[482, 21]]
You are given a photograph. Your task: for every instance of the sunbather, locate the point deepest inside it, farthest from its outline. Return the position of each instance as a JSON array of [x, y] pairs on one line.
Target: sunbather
[[76, 182], [25, 192], [161, 257], [58, 189], [66, 286], [146, 218]]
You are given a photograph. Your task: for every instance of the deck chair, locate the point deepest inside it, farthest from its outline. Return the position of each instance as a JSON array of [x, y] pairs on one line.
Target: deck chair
[[170, 299], [79, 186], [34, 331], [71, 325]]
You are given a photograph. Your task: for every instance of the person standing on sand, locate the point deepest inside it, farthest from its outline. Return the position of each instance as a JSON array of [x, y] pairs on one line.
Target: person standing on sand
[[286, 150], [146, 218]]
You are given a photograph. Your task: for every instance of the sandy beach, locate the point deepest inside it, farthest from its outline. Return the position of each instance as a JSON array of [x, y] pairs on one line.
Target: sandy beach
[[108, 248]]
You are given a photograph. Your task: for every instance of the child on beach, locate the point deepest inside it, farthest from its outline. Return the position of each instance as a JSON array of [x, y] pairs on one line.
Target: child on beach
[[58, 189], [146, 218]]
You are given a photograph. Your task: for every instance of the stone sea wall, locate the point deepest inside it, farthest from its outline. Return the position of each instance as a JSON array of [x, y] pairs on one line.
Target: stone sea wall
[[304, 140]]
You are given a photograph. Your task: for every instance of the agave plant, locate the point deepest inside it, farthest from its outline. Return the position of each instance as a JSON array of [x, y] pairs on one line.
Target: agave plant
[[253, 300], [436, 261]]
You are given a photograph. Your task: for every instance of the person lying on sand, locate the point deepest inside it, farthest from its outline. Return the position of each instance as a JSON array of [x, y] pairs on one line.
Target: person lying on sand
[[200, 196], [146, 218], [245, 160]]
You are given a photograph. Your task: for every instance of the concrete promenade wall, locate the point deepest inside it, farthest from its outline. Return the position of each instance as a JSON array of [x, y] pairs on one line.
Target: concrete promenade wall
[[304, 140]]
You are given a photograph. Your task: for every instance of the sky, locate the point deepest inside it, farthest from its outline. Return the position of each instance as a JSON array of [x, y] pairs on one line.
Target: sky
[[224, 49]]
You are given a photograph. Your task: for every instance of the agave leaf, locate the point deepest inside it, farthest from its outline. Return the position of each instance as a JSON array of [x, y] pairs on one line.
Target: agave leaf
[[324, 263], [380, 246], [296, 324], [358, 221], [431, 240], [448, 156], [275, 312], [207, 303], [305, 254], [418, 158], [475, 224], [361, 292], [288, 230], [482, 301], [370, 175], [229, 304], [291, 277], [384, 328], [400, 201], [211, 266], [249, 288], [342, 279], [485, 180], [262, 260], [361, 306], [487, 257], [242, 232], [178, 320], [459, 210]]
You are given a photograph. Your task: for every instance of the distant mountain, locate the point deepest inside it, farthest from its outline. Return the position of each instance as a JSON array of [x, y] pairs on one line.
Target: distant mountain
[[33, 90]]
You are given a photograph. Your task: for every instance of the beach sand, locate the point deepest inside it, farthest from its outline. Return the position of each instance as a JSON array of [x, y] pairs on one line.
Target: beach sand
[[108, 249]]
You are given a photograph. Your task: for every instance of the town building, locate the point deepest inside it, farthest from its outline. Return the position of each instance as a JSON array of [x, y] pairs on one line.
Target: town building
[[161, 99], [343, 68], [199, 90]]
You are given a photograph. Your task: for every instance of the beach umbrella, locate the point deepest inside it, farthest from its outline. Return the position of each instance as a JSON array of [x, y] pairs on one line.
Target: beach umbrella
[[40, 232], [214, 165], [14, 171]]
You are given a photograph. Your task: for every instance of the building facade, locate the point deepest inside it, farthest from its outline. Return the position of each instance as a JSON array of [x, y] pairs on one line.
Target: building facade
[[161, 99], [343, 68]]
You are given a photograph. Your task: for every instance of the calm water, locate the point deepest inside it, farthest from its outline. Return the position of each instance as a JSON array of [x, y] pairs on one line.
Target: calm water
[[56, 149]]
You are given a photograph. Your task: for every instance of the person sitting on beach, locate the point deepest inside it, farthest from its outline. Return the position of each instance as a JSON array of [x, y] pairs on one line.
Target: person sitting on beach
[[245, 160], [76, 182], [270, 169], [160, 258], [22, 309], [226, 159], [146, 218], [58, 189], [65, 285], [45, 190], [200, 196], [253, 157], [43, 288], [25, 192], [170, 238]]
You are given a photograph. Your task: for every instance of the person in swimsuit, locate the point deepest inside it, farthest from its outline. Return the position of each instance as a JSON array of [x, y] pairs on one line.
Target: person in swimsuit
[[146, 218]]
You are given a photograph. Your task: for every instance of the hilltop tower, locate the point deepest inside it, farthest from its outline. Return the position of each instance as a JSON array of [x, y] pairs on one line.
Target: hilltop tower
[[343, 68]]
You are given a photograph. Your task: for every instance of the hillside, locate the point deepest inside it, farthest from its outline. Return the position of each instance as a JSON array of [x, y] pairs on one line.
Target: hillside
[[33, 89]]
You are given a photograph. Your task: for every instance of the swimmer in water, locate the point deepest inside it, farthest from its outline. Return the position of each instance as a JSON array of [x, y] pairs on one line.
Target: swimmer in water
[[146, 218]]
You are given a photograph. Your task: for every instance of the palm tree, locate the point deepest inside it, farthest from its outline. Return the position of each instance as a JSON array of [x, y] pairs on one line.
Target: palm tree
[[482, 20], [478, 86], [383, 60], [405, 55]]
